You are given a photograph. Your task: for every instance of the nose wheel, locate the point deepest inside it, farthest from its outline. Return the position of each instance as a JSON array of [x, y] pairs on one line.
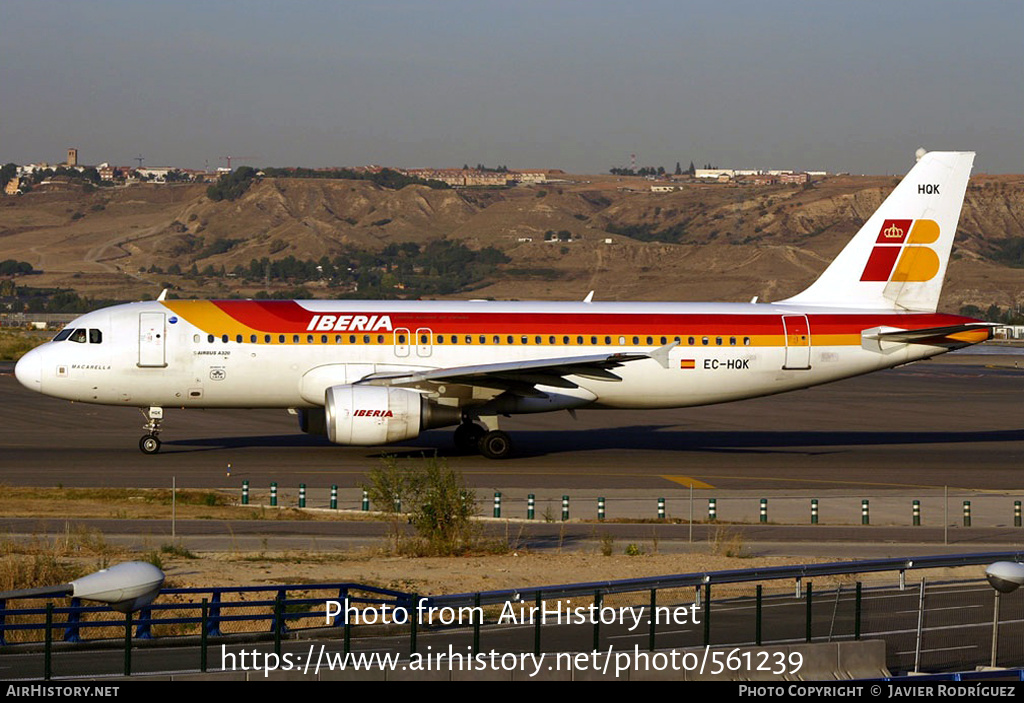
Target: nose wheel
[[150, 443]]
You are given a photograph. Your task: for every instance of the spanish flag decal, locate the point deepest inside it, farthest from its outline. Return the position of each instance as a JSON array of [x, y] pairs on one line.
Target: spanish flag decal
[[687, 364]]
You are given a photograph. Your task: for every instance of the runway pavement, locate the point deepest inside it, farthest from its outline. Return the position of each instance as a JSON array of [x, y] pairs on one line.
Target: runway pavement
[[956, 421]]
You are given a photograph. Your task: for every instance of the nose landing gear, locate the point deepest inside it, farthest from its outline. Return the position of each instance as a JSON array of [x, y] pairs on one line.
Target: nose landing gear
[[150, 442]]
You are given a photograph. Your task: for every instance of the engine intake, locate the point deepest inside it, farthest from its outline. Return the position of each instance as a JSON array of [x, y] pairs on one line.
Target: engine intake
[[372, 415]]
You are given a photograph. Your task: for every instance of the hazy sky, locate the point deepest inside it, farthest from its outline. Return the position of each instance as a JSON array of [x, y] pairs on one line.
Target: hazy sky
[[579, 85]]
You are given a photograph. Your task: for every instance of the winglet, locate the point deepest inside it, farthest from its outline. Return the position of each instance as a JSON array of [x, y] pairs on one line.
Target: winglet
[[163, 294], [661, 353], [589, 298]]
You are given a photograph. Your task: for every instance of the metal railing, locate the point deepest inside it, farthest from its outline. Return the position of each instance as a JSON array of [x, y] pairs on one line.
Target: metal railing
[[798, 572], [926, 628], [214, 611]]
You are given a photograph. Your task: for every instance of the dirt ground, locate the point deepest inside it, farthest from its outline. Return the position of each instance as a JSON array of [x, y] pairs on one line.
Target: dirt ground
[[80, 552], [427, 575], [437, 576]]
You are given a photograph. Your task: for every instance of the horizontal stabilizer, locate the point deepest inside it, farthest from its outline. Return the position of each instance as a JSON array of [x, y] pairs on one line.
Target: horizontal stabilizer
[[969, 333]]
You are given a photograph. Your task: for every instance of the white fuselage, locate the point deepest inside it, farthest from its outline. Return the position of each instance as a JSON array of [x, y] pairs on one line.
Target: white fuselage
[[243, 354]]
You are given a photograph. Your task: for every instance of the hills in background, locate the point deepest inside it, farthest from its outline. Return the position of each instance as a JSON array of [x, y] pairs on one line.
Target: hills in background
[[702, 242]]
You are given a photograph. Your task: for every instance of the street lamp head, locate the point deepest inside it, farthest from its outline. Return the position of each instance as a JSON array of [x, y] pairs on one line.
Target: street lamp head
[[124, 587], [1005, 576]]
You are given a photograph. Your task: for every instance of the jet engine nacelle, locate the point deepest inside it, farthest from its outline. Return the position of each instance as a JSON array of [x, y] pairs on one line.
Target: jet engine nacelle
[[371, 415]]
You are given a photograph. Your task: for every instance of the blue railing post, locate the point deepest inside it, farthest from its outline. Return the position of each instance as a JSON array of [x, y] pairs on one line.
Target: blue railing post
[[145, 622], [282, 596], [72, 632], [406, 602], [213, 619], [339, 621]]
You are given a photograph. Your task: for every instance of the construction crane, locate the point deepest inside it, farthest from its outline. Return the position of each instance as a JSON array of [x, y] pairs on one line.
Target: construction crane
[[236, 158]]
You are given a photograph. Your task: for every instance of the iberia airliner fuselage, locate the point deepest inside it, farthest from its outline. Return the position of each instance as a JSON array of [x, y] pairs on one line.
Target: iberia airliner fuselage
[[369, 373]]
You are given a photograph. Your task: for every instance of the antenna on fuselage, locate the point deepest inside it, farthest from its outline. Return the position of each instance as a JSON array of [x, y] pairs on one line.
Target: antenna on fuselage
[[163, 294], [589, 298]]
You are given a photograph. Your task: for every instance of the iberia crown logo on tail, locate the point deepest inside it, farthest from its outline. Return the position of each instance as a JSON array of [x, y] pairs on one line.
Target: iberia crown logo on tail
[[907, 241]]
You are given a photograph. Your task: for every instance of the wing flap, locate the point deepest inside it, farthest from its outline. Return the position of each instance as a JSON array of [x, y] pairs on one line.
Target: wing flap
[[520, 377]]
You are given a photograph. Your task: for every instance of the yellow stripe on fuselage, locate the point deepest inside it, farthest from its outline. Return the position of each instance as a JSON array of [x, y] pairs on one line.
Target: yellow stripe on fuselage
[[208, 317]]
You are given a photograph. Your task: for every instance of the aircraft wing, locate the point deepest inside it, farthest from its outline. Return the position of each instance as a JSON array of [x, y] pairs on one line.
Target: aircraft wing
[[521, 377]]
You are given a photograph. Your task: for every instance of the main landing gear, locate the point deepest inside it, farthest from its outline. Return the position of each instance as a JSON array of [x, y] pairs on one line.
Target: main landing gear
[[468, 436], [493, 443], [150, 442], [496, 445]]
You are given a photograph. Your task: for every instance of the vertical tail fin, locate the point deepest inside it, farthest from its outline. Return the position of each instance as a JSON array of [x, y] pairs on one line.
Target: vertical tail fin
[[898, 259]]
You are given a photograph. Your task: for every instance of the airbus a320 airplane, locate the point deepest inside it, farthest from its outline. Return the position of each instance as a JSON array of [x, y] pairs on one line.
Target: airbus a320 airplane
[[372, 373]]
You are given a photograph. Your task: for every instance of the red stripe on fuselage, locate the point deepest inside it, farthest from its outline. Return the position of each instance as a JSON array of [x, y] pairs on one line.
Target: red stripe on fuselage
[[287, 316], [267, 315]]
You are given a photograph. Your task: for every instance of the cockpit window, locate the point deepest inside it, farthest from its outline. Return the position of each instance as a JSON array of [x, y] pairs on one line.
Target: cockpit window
[[95, 337], [63, 334], [78, 336]]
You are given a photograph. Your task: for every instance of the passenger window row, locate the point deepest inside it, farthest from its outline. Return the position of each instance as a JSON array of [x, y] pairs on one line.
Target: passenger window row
[[566, 340]]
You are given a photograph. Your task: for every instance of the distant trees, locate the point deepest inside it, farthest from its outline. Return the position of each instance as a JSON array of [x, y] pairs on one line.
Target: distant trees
[[652, 171], [50, 300], [386, 177], [10, 267], [994, 313], [645, 171], [406, 268], [7, 172], [231, 185], [91, 175], [1009, 251]]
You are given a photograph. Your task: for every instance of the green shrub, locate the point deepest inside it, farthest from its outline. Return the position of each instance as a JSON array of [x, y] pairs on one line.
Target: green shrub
[[436, 500]]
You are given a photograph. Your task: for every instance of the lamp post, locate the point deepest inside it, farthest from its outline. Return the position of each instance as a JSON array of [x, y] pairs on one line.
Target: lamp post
[[1004, 577], [125, 587]]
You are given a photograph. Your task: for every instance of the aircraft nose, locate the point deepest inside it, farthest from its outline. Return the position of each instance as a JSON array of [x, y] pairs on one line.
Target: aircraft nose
[[29, 370]]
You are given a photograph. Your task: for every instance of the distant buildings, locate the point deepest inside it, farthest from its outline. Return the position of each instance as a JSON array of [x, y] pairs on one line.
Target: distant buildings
[[466, 177], [471, 177], [754, 176]]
